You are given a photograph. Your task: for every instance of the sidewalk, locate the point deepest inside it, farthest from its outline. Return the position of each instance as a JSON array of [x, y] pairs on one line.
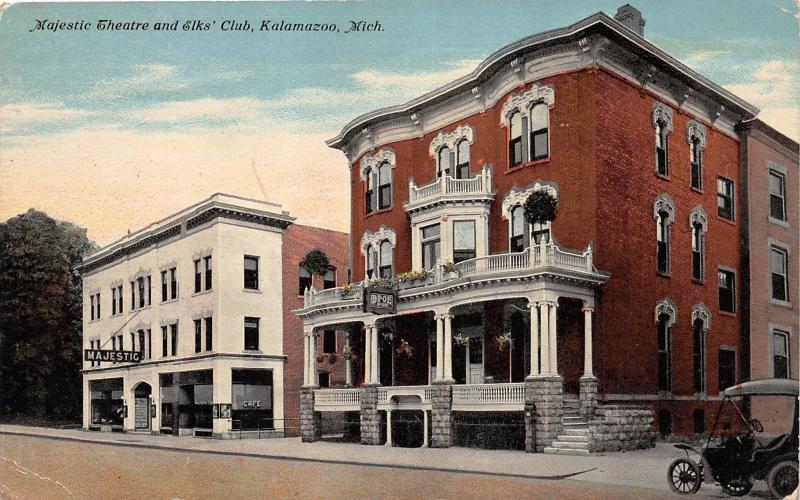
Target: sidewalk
[[643, 468]]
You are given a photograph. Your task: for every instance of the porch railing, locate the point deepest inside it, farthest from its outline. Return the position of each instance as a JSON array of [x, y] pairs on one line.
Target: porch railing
[[339, 398], [489, 395], [405, 390], [447, 185], [314, 297]]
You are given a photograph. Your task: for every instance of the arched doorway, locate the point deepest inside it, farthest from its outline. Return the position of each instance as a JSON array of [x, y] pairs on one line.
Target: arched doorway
[[141, 416]]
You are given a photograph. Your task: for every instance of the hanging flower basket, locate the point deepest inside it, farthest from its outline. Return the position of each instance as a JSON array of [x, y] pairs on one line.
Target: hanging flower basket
[[405, 348], [540, 207], [346, 352], [316, 262], [503, 341], [460, 340]]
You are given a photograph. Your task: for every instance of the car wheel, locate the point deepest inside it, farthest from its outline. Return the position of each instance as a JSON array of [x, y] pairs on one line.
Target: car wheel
[[738, 488], [684, 476], [782, 478]]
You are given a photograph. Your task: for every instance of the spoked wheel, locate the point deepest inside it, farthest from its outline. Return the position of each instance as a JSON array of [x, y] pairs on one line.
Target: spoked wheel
[[782, 479], [684, 476], [738, 488]]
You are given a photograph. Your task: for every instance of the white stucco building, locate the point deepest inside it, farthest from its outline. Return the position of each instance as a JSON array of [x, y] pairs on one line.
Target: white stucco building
[[199, 295]]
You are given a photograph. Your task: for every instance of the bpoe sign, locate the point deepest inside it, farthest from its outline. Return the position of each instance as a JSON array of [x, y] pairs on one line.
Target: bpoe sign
[[380, 300], [113, 356]]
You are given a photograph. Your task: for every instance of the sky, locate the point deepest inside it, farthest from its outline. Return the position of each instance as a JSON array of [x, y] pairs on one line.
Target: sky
[[113, 130]]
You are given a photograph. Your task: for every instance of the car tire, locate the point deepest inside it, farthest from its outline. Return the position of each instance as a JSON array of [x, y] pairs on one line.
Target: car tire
[[684, 476], [738, 488], [782, 478]]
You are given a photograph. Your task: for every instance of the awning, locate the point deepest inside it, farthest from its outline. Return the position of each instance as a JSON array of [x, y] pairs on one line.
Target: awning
[[765, 387]]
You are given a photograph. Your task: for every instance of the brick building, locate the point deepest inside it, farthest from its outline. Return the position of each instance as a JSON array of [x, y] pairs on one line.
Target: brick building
[[626, 307]]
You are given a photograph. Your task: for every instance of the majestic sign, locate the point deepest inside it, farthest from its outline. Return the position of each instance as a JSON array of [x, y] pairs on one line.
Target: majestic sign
[[380, 300], [117, 356]]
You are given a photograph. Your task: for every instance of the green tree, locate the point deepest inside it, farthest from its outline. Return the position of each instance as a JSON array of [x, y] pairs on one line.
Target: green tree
[[40, 316]]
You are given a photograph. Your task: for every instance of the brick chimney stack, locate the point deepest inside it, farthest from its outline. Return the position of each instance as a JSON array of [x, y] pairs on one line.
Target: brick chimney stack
[[630, 17]]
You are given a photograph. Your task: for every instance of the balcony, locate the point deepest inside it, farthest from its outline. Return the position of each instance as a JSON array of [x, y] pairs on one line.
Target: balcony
[[449, 189], [337, 399]]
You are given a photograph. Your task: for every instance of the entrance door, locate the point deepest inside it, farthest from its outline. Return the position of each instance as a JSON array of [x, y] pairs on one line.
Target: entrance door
[[142, 415], [475, 357]]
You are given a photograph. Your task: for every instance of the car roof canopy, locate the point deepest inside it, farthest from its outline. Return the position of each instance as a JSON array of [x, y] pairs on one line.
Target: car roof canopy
[[765, 387]]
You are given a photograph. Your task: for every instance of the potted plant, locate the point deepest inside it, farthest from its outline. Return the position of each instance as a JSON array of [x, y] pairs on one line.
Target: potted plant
[[540, 207], [503, 340], [405, 348], [347, 353], [316, 262], [460, 340], [346, 289]]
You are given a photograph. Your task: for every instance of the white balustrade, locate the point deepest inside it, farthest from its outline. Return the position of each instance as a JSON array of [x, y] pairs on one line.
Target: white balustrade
[[446, 185], [491, 396], [337, 398], [314, 297]]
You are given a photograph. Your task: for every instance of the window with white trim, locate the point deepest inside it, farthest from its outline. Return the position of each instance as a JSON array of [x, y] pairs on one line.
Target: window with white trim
[[520, 232], [540, 118], [664, 215], [725, 198], [664, 332], [446, 159], [462, 159], [464, 244], [699, 355], [662, 123], [304, 280], [386, 260], [780, 353], [515, 140], [376, 172], [526, 114], [696, 155], [329, 278], [384, 185], [777, 195], [778, 268], [698, 251], [431, 245]]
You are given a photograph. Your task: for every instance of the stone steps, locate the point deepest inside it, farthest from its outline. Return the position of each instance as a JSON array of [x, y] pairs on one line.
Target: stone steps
[[575, 431], [564, 451], [574, 437]]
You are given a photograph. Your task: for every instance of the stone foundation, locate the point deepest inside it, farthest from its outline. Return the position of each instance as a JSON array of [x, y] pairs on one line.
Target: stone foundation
[[543, 411], [310, 421], [621, 428], [441, 416], [370, 417], [588, 397]]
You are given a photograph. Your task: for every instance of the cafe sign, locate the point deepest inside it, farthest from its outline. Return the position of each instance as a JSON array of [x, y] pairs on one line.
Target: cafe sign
[[380, 300], [112, 356]]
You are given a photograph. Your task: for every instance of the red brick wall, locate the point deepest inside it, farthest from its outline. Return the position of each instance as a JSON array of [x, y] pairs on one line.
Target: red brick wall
[[297, 242]]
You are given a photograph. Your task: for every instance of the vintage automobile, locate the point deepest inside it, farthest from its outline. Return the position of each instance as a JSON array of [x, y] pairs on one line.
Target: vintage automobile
[[736, 460]]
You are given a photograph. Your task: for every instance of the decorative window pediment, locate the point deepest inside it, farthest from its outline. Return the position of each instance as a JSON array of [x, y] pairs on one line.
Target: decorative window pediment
[[667, 308], [374, 239], [523, 101], [451, 139], [370, 163], [701, 312], [696, 130], [665, 204], [700, 217], [517, 196], [662, 113]]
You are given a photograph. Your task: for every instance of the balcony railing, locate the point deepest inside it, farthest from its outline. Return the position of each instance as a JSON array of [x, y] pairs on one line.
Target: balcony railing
[[536, 257], [425, 392], [481, 184], [337, 399], [489, 396]]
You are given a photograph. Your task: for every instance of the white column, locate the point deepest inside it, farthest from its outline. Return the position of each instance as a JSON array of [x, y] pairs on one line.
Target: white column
[[314, 364], [448, 347], [534, 343], [544, 308], [389, 428], [87, 404], [553, 339], [367, 354], [587, 341], [439, 347], [306, 365], [376, 377], [424, 428], [348, 364]]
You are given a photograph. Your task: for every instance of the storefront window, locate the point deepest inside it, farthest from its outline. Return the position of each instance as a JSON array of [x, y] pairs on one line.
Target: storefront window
[[107, 401], [251, 393]]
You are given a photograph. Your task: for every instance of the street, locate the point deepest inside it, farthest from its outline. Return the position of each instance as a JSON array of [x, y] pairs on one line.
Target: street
[[32, 467]]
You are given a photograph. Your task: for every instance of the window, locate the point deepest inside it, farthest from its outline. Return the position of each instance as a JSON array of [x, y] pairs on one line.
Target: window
[[777, 195], [696, 155], [519, 240], [664, 353], [198, 335], [662, 243], [173, 328], [699, 418], [91, 307], [515, 140], [431, 246], [725, 198], [727, 369], [329, 342], [372, 260], [164, 341], [140, 283], [121, 345], [149, 345], [369, 201], [780, 354], [207, 266], [173, 282], [329, 279], [141, 342], [778, 260], [699, 356], [250, 272], [133, 295], [305, 280], [209, 333], [727, 290], [386, 261], [164, 295], [463, 240], [539, 118], [698, 251], [119, 298], [113, 301], [384, 185], [198, 276], [446, 160], [113, 343], [149, 289], [251, 334], [97, 304], [133, 341], [462, 169], [661, 148], [541, 232], [324, 379]]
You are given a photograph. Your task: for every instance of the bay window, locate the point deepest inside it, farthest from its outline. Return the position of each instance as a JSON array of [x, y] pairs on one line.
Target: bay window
[[431, 246]]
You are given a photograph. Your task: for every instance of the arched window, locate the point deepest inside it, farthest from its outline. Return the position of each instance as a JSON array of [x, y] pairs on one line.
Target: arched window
[[462, 169], [369, 200], [372, 260], [698, 251], [515, 139], [386, 260], [662, 245], [664, 332], [661, 148], [540, 117], [445, 161], [699, 355], [519, 239], [696, 155], [384, 185]]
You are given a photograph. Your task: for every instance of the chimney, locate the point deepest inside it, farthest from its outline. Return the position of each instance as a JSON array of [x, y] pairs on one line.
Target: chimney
[[630, 17]]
